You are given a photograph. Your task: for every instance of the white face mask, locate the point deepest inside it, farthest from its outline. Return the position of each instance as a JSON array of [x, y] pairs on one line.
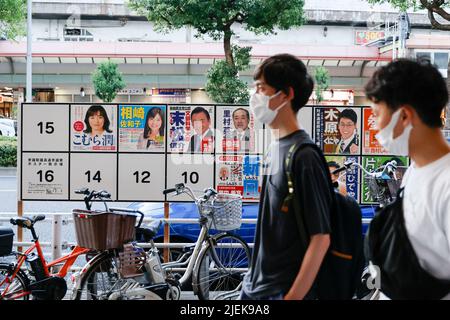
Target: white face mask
[[398, 146], [259, 105]]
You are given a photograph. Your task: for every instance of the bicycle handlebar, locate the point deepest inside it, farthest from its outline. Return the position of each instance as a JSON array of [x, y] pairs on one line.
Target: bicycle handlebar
[[388, 168], [130, 211], [170, 190]]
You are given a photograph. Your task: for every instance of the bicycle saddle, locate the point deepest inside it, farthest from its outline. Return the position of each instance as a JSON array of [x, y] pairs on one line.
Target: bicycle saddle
[[26, 222], [148, 231]]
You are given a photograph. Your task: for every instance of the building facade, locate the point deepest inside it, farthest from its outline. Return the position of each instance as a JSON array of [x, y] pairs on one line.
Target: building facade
[[348, 37]]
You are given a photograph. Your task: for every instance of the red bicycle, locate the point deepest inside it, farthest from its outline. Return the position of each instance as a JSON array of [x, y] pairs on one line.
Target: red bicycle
[[37, 279]]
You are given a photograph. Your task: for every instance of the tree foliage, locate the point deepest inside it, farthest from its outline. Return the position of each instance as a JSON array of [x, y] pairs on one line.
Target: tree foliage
[[436, 8], [223, 83], [215, 18], [322, 79], [107, 80], [12, 18]]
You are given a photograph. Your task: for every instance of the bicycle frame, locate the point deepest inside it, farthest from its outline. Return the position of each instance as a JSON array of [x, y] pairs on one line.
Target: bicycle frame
[[67, 259], [202, 240]]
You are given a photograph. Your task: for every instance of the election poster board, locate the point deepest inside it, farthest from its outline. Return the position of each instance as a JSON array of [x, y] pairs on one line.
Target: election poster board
[[134, 151]]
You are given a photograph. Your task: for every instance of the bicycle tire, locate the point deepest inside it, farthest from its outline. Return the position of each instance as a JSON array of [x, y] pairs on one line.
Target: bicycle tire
[[21, 282], [213, 281], [101, 281], [105, 268]]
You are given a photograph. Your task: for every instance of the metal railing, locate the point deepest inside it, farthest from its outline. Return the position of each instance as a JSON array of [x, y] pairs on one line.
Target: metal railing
[[58, 220]]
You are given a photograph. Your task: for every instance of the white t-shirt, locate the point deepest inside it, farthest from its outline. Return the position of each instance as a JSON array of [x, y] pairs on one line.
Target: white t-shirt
[[427, 215]]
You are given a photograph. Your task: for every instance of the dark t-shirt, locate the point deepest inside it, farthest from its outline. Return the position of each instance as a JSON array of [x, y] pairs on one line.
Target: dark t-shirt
[[278, 252]]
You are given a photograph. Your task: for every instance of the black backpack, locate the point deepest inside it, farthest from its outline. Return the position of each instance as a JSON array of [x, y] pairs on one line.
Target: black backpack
[[389, 248], [342, 268]]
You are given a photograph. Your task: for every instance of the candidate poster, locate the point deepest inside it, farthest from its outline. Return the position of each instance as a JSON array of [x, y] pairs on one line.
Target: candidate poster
[[93, 127], [347, 181], [238, 131], [337, 130], [370, 143], [371, 163], [239, 174], [191, 129], [142, 128]]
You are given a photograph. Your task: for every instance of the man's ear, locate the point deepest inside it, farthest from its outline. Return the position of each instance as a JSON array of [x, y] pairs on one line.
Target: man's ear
[[291, 95], [409, 115]]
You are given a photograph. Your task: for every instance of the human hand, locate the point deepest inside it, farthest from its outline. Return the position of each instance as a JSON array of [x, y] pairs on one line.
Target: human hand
[[354, 148]]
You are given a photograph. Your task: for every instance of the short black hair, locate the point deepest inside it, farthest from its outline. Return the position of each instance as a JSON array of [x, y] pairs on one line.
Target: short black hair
[[199, 110], [245, 110], [410, 82], [282, 71], [348, 114], [151, 114], [94, 109], [333, 164]]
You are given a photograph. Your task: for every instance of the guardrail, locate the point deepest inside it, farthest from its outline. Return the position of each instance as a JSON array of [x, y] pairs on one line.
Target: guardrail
[[58, 220]]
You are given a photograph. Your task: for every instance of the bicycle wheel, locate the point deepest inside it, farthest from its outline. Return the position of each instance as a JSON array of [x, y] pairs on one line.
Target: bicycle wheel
[[219, 268], [100, 280], [103, 282], [18, 286]]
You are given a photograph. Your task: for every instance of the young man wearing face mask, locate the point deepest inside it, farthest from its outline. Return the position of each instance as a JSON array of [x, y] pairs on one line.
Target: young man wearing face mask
[[408, 98], [278, 268]]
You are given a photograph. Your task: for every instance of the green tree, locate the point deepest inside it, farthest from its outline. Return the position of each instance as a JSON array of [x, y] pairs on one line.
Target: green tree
[[322, 77], [215, 18], [12, 18], [107, 80], [434, 7], [223, 84]]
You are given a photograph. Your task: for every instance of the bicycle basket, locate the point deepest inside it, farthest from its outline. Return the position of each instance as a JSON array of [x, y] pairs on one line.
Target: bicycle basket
[[394, 185], [101, 230], [224, 212], [378, 189], [131, 261]]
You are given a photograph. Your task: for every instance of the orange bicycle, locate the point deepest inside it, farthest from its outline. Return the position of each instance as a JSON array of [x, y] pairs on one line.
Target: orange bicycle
[[37, 279]]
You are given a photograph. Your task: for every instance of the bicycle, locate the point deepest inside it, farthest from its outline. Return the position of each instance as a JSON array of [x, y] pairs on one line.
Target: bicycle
[[120, 269], [384, 182], [38, 280], [215, 262]]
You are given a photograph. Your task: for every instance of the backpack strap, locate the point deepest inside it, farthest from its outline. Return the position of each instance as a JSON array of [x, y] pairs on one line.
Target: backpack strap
[[290, 198]]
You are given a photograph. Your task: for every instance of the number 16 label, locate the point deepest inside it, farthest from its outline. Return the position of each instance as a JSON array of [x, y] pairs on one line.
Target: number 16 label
[[45, 176]]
